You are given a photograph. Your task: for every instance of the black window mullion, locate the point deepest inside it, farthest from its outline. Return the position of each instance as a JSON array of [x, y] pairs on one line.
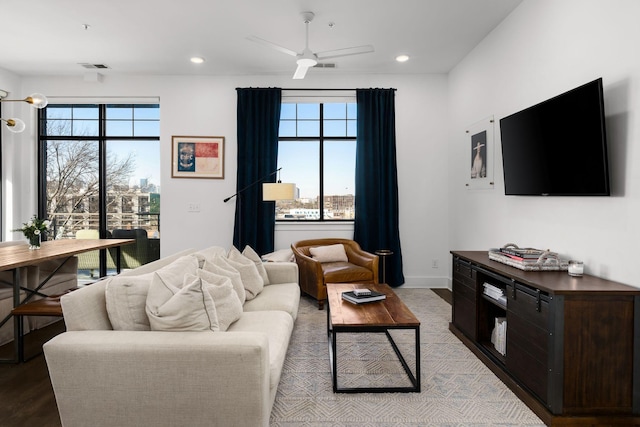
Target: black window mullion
[[102, 185], [321, 201]]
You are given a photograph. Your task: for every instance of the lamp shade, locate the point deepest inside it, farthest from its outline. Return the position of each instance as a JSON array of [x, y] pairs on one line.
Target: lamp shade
[[278, 191]]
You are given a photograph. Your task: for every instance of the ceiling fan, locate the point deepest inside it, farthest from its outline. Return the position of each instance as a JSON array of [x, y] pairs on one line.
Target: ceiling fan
[[307, 58]]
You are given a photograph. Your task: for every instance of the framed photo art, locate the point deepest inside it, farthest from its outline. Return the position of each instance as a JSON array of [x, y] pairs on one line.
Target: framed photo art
[[197, 157], [479, 136]]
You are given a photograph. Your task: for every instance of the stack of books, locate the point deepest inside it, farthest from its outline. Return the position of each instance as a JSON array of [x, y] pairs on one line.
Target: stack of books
[[499, 335], [528, 259], [495, 293], [524, 254], [360, 296]]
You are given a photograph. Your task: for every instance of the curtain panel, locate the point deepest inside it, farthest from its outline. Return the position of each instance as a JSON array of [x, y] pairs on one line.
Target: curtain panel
[[377, 215], [258, 115]]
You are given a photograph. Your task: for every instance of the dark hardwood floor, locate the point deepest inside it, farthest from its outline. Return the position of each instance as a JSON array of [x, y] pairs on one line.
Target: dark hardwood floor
[[26, 395]]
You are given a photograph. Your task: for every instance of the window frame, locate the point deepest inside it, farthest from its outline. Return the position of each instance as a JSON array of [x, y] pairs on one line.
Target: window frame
[[102, 138], [321, 138]]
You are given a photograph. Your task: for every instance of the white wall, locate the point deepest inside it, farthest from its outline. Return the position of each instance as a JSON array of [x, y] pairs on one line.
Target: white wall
[[544, 48], [19, 196], [207, 106]]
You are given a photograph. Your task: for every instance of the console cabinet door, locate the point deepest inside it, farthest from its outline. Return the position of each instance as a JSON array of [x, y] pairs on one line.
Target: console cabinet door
[[464, 298], [528, 338]]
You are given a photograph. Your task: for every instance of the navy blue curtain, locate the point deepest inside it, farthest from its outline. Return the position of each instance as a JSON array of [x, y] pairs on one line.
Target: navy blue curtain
[[376, 225], [258, 122]]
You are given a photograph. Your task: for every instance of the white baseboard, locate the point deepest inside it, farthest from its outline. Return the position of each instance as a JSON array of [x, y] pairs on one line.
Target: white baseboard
[[427, 282]]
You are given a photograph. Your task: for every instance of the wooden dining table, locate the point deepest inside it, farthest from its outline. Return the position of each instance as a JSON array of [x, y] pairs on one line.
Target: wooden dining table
[[13, 257]]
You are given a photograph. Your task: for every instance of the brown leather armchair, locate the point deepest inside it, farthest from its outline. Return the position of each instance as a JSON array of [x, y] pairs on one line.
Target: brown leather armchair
[[362, 267]]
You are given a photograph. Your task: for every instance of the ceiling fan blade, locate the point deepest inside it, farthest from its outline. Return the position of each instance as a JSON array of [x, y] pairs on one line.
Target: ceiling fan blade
[[301, 71], [347, 51], [272, 45]]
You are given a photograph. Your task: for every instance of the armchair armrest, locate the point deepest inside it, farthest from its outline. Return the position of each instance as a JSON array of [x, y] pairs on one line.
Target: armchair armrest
[[134, 378], [310, 269], [362, 258]]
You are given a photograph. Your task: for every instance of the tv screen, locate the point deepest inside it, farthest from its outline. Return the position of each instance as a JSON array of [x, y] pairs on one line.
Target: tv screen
[[557, 147]]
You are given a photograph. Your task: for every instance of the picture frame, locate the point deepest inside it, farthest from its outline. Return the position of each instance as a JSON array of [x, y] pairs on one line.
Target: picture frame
[[480, 160], [197, 157]]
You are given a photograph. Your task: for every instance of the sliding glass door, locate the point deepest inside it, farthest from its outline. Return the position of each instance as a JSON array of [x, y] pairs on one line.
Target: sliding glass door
[[100, 178]]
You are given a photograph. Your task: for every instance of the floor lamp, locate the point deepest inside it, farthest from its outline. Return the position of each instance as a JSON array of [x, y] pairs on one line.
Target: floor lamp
[[270, 192]]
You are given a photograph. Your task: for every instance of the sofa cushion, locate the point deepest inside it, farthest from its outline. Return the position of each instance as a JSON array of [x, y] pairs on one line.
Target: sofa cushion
[[281, 296], [186, 308], [126, 297], [329, 253], [208, 254], [277, 326], [175, 272], [225, 298], [251, 279], [253, 256], [221, 266], [86, 308], [341, 272]]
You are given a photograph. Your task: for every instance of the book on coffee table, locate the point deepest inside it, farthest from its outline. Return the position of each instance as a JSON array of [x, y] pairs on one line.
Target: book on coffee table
[[370, 296]]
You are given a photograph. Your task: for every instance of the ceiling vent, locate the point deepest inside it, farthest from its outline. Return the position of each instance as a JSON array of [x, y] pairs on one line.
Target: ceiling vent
[[94, 66], [324, 65]]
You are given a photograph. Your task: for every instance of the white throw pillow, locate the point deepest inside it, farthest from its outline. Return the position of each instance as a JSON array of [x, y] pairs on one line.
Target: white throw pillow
[[186, 308], [208, 254], [251, 279], [228, 306], [126, 298], [253, 256], [174, 273], [329, 253], [283, 255], [221, 266]]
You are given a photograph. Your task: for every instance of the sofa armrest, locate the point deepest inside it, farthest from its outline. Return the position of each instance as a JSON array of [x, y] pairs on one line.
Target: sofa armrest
[[134, 378], [281, 272]]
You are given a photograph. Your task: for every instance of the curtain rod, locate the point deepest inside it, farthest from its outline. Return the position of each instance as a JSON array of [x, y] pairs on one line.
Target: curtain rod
[[316, 89]]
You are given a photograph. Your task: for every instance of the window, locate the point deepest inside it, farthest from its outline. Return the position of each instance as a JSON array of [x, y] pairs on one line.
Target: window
[[100, 171], [317, 151]]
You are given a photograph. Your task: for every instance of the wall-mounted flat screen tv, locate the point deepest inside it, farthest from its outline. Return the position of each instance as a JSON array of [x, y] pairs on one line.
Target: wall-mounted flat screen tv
[[557, 147]]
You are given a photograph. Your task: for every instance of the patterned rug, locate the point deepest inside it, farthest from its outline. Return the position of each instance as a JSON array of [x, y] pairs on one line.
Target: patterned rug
[[457, 389]]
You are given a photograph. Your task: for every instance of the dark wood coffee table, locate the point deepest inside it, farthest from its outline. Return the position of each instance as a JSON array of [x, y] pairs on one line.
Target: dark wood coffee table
[[379, 316]]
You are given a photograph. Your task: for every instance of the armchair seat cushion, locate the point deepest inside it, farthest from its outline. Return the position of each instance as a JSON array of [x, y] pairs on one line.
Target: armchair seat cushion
[[341, 272]]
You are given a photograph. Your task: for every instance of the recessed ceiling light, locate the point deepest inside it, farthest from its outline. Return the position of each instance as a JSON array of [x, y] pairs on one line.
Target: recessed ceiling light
[[402, 58], [197, 60]]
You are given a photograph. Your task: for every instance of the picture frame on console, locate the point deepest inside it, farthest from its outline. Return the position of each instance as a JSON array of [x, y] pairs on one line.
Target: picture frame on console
[[480, 140], [197, 157]]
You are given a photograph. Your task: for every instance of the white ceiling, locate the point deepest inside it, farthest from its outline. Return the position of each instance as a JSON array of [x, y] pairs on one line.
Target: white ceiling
[[157, 37]]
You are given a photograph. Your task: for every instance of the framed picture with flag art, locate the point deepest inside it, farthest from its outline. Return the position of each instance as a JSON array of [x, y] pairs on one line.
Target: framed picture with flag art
[[197, 157]]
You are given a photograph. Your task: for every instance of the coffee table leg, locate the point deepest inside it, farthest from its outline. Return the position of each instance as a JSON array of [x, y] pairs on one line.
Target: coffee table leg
[[333, 359]]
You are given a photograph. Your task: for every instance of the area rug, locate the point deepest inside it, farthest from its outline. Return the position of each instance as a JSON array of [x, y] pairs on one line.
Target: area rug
[[457, 389]]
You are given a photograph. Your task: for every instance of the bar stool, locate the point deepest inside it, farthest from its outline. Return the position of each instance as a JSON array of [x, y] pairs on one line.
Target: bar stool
[[49, 306]]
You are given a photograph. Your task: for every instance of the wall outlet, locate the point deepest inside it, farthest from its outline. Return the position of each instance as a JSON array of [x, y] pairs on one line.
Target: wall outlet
[[193, 207], [434, 263]]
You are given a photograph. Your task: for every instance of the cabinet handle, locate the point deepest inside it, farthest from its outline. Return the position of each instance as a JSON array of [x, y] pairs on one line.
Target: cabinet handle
[[538, 303], [513, 283]]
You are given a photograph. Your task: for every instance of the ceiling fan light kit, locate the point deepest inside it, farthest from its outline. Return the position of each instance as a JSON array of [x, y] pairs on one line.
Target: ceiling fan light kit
[[307, 58]]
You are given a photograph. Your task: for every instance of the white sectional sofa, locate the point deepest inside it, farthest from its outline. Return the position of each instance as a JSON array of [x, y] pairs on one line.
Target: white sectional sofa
[[106, 377]]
